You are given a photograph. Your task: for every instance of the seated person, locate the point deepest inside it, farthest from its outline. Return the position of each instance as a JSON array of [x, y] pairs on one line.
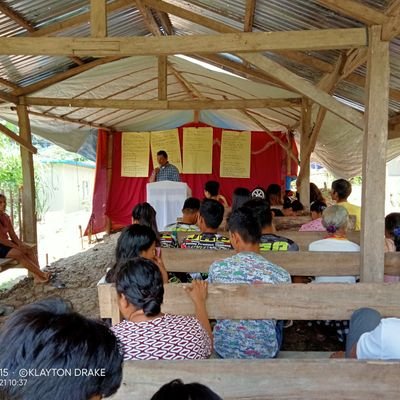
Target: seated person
[[269, 240], [335, 220], [274, 198], [316, 194], [246, 338], [392, 240], [48, 335], [12, 247], [372, 337], [145, 214], [190, 212], [136, 241], [316, 209], [211, 191], [176, 389], [211, 214], [292, 208], [340, 191], [239, 197], [148, 334]]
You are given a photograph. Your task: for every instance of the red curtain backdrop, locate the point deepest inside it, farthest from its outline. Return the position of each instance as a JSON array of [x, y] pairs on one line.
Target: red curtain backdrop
[[268, 165]]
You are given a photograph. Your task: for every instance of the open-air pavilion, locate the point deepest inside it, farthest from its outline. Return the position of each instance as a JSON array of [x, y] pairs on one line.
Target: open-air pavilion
[[323, 72]]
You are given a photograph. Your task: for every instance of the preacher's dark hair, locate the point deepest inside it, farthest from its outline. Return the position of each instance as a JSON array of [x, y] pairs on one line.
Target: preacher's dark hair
[[239, 197], [145, 214], [133, 240], [191, 204], [261, 211], [342, 188], [243, 222], [162, 153], [177, 390], [140, 281], [49, 335], [212, 187], [392, 226], [212, 212], [318, 206]]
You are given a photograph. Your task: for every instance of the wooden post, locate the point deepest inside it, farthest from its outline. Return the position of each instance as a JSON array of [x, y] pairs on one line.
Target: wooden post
[[374, 158], [98, 18], [162, 77], [304, 143], [110, 141], [29, 233]]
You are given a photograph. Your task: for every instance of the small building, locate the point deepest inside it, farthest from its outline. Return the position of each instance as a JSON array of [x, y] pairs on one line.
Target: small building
[[68, 185]]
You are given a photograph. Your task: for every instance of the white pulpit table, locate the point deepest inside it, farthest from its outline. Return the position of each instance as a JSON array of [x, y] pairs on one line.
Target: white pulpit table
[[167, 198]]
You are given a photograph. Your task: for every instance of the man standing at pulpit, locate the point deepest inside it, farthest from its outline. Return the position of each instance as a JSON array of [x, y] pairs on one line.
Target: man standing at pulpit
[[166, 171]]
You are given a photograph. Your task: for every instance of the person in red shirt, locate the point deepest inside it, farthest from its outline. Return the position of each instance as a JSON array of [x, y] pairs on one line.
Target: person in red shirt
[[12, 247]]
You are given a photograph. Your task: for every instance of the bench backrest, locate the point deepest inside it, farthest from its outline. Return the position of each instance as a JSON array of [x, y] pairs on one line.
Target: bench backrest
[[264, 301], [268, 379], [301, 263]]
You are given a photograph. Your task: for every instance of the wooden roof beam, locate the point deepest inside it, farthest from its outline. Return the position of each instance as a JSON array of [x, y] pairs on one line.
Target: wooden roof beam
[[139, 46], [98, 18], [69, 120], [16, 17], [20, 20], [165, 22], [356, 10], [8, 97], [79, 19], [198, 104], [8, 83], [18, 139], [249, 16], [305, 88]]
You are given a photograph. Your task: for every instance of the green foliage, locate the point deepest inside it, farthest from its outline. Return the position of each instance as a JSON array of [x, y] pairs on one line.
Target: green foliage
[[357, 180]]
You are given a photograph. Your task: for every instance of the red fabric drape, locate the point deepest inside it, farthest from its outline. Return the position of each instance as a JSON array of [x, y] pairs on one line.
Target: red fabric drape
[[97, 220], [268, 165]]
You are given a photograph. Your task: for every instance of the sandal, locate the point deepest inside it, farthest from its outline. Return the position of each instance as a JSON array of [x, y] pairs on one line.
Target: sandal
[[55, 282]]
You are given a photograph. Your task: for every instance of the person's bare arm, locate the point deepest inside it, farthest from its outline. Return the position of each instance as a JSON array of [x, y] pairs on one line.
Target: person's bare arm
[[14, 236], [160, 263], [8, 243], [153, 175], [223, 200], [198, 293]]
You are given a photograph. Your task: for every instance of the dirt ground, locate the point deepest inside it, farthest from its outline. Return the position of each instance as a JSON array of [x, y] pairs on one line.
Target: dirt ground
[[81, 272]]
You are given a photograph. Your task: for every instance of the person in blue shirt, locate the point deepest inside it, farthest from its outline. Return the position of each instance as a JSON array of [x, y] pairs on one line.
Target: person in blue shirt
[[165, 171]]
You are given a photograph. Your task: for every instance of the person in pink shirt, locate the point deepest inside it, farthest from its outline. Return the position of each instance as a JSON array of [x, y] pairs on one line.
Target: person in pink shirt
[[316, 209], [12, 247]]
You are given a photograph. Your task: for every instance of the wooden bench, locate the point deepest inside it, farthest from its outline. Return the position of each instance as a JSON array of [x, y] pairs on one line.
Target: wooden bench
[[7, 263], [333, 301], [303, 239], [301, 263], [268, 379]]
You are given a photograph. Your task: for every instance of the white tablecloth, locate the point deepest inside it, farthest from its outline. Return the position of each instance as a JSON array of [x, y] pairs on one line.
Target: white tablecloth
[[167, 198]]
